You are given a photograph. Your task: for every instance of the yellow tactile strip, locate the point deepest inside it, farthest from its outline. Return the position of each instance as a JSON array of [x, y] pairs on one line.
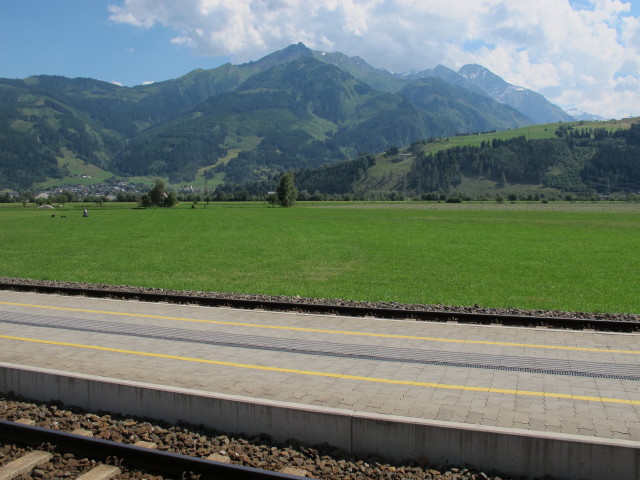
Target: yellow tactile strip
[[331, 375]]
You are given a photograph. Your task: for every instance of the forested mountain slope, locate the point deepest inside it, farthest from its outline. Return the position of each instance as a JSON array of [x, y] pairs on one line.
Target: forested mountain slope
[[579, 160], [35, 127], [292, 109]]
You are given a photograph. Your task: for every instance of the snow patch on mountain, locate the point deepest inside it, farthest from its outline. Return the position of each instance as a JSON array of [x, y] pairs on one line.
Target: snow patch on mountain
[[580, 115]]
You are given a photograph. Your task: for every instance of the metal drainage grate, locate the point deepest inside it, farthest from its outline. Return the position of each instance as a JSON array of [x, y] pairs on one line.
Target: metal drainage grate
[[341, 350]]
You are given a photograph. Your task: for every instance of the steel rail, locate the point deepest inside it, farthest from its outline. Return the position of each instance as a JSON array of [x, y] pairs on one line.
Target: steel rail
[[346, 310], [157, 461]]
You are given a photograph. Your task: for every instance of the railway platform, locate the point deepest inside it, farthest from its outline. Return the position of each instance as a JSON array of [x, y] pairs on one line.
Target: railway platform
[[534, 383]]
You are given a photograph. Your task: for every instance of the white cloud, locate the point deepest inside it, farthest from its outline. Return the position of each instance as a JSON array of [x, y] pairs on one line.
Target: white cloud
[[148, 82], [119, 84], [631, 36], [582, 53]]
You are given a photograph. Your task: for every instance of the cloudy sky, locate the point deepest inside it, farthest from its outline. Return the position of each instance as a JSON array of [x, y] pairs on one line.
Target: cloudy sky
[[578, 53]]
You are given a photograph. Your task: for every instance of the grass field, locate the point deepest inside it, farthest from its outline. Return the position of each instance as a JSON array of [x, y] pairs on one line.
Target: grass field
[[580, 257]]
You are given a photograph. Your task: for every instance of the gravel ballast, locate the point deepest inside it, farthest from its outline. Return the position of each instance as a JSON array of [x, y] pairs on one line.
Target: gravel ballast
[[629, 317]]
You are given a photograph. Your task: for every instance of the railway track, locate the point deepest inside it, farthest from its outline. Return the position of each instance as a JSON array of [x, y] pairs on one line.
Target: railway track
[[627, 323], [107, 457]]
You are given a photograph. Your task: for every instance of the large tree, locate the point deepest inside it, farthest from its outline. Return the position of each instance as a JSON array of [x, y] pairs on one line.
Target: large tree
[[286, 192], [159, 197]]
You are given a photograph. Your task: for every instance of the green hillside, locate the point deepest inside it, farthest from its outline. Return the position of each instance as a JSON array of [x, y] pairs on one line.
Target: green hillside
[[390, 171], [34, 131]]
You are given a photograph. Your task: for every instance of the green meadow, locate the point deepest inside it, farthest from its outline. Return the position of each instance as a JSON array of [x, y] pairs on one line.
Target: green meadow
[[568, 256]]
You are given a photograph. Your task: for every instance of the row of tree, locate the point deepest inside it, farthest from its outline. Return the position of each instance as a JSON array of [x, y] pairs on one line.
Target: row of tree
[[159, 196]]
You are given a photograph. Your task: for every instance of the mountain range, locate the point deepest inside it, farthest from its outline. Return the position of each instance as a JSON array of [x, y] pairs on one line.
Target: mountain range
[[478, 79], [295, 108]]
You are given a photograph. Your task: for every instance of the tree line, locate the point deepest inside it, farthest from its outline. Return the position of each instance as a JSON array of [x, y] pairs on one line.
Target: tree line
[[312, 183]]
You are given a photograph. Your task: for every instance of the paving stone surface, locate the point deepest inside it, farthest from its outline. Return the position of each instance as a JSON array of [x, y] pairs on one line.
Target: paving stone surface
[[506, 395]]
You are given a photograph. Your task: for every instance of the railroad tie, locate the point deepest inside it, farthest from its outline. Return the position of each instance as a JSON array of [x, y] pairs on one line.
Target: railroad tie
[[101, 472], [298, 472], [217, 457], [24, 464], [26, 421], [143, 444]]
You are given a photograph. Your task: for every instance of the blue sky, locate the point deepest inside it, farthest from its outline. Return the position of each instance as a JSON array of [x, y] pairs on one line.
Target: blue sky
[[578, 53], [75, 38]]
